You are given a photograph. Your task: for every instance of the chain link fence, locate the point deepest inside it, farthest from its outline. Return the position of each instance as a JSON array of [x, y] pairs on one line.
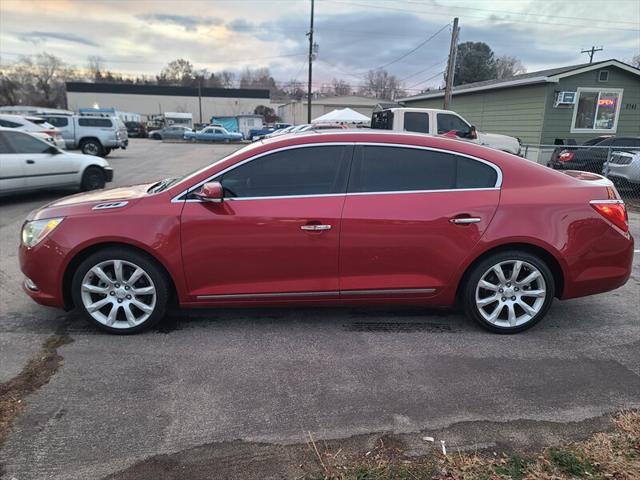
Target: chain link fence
[[620, 164]]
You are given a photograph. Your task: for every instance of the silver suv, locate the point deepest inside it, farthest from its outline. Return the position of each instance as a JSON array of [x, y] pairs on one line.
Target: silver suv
[[93, 135]]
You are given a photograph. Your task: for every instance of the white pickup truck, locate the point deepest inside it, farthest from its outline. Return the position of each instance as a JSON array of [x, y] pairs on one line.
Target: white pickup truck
[[440, 122]]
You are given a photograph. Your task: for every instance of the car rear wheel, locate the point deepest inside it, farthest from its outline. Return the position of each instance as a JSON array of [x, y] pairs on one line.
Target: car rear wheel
[[92, 147], [120, 291], [509, 291], [93, 178]]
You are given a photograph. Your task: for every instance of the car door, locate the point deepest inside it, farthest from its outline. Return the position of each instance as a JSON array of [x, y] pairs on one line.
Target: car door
[[276, 233], [44, 165], [410, 218], [12, 167]]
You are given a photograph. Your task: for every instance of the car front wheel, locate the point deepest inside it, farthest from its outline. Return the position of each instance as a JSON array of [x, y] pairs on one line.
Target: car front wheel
[[509, 291], [120, 290], [93, 178]]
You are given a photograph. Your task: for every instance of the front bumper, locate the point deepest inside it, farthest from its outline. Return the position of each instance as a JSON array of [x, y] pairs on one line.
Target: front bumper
[[108, 174], [42, 266]]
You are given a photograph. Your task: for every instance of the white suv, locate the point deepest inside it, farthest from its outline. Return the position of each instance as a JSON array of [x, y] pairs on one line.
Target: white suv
[[36, 126]]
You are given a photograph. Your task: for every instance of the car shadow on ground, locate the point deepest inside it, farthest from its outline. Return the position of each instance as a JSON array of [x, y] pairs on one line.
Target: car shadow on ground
[[42, 196]]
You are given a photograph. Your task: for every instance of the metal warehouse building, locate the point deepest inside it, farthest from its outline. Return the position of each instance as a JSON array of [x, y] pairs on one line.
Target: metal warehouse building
[[578, 102], [157, 99]]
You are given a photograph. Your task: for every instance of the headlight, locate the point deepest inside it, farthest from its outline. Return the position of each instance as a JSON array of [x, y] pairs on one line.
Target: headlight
[[34, 232]]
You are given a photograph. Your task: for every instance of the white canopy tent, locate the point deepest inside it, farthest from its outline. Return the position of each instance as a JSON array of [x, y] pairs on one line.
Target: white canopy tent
[[342, 115]]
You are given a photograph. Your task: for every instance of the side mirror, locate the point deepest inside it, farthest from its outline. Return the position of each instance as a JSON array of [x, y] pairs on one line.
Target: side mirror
[[211, 192], [53, 150], [473, 133]]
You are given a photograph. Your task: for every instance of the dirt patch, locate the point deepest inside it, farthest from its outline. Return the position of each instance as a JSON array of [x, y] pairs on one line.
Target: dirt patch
[[34, 375]]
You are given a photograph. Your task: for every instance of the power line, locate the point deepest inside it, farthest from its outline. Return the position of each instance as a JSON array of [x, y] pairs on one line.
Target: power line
[[422, 44], [422, 71], [412, 87]]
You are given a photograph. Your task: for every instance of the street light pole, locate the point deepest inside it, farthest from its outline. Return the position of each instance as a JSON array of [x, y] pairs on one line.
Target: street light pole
[[310, 34]]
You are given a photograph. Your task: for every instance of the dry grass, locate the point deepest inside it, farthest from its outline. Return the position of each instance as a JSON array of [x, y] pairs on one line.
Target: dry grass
[[613, 455], [34, 375]]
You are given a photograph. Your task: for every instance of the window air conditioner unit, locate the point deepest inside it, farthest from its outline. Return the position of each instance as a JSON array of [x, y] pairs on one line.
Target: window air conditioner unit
[[565, 98]]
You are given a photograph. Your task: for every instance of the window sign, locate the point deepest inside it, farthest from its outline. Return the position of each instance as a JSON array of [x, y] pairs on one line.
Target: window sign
[[596, 110]]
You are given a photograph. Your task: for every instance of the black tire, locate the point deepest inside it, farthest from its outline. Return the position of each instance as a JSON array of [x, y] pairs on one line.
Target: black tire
[[107, 151], [93, 178], [146, 263], [475, 275], [92, 147], [156, 137]]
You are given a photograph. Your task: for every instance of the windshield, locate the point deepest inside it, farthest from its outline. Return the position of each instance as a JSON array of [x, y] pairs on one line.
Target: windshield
[[170, 182]]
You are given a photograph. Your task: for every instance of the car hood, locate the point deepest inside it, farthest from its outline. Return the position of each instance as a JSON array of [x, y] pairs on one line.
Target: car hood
[[121, 193], [84, 203]]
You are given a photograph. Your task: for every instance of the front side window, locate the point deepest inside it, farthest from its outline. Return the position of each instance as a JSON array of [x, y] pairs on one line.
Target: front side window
[[448, 122], [4, 144], [399, 169], [299, 171], [416, 122], [25, 143], [596, 110]]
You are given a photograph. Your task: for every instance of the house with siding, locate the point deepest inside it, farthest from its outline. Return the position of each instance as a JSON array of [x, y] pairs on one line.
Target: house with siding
[[577, 102]]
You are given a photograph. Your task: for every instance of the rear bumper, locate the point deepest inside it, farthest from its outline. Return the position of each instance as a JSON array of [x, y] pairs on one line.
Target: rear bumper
[[108, 174]]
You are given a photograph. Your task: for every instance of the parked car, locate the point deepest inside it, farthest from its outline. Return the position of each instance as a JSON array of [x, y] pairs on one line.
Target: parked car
[[34, 125], [136, 129], [92, 135], [171, 132], [440, 122], [213, 134], [282, 131], [570, 145], [335, 218], [260, 133], [29, 163], [592, 159], [624, 170]]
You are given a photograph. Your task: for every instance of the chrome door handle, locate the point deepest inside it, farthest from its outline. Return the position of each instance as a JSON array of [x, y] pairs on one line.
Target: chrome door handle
[[315, 228], [465, 220]]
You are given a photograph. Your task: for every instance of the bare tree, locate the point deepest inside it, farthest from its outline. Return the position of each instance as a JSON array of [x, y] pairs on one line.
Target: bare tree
[[95, 67], [227, 79], [260, 78], [507, 66], [294, 89], [381, 84], [178, 72], [635, 61], [340, 87]]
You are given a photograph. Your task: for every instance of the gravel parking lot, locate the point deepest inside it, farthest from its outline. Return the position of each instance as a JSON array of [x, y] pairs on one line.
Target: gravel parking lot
[[225, 388]]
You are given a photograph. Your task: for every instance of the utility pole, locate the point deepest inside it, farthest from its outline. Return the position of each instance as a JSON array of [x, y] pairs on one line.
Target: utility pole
[[451, 66], [200, 97], [591, 51], [310, 35]]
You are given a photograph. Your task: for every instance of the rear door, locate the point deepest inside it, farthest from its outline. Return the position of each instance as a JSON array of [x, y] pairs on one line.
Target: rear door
[[411, 216], [12, 167]]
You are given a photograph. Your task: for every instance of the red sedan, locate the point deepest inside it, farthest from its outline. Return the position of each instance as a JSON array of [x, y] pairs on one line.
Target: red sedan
[[335, 218]]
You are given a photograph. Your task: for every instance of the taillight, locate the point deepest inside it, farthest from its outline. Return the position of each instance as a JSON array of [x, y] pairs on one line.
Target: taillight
[[51, 133], [614, 211], [566, 157]]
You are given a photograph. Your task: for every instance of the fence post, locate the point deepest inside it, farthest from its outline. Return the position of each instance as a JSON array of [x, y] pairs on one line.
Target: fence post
[[606, 165]]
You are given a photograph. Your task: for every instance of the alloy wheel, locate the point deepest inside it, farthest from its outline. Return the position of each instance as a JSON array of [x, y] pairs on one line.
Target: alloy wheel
[[510, 293], [118, 294]]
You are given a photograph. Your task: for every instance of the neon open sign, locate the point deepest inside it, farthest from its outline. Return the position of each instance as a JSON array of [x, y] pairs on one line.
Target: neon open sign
[[606, 102]]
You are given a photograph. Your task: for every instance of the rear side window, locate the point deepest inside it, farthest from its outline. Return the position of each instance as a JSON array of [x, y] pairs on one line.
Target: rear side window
[[94, 122], [9, 124], [398, 169], [299, 171], [416, 122], [382, 120], [4, 144], [58, 121]]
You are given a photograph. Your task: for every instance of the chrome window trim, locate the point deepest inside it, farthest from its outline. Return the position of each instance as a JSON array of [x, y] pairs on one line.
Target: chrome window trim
[[609, 201], [497, 186]]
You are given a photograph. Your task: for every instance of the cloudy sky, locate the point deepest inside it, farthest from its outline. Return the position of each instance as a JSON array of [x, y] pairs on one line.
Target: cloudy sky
[[141, 36]]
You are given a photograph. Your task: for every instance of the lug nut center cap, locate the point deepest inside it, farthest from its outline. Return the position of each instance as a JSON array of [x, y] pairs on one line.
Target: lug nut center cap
[[121, 293]]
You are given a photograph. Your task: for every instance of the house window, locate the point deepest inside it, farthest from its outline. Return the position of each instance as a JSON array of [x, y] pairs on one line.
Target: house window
[[603, 76], [596, 110]]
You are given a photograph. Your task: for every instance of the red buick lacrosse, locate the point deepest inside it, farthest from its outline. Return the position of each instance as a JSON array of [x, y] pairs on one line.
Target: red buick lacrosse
[[335, 218]]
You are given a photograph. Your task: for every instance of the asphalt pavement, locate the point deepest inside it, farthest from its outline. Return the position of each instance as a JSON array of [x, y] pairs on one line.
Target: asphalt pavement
[[240, 381]]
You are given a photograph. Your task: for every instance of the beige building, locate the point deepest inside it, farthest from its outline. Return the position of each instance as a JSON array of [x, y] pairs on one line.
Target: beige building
[[156, 99], [296, 112]]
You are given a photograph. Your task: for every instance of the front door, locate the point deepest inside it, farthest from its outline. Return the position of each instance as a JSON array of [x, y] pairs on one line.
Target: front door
[[410, 218], [276, 234]]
